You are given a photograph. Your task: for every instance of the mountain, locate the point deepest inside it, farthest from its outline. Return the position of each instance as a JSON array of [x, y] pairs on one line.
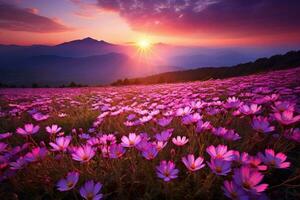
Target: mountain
[[76, 48], [56, 70], [289, 60], [91, 61]]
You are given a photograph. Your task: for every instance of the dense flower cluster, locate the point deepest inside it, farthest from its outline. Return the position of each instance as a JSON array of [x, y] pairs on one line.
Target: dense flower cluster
[[237, 131]]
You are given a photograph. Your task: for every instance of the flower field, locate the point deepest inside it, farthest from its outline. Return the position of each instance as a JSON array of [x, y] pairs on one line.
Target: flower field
[[235, 138]]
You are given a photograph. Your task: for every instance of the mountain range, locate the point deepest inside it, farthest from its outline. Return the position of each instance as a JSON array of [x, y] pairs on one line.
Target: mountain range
[[93, 62]]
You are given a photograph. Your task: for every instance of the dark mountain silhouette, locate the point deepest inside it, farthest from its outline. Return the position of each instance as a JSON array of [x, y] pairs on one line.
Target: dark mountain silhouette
[[90, 61], [276, 62], [56, 70]]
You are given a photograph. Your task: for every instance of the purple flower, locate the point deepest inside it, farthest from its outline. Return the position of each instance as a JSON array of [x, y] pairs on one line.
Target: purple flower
[[164, 135], [5, 135], [90, 190], [220, 166], [61, 143], [69, 182], [203, 126], [281, 106], [231, 135], [29, 129], [36, 154], [262, 125], [150, 152], [53, 129], [107, 139], [250, 109], [232, 191], [241, 158], [39, 116], [232, 102], [274, 160], [20, 163], [116, 151], [131, 141], [220, 152], [293, 134], [191, 118], [192, 164], [220, 131], [166, 170], [249, 180], [83, 153], [287, 117], [164, 121], [2, 146]]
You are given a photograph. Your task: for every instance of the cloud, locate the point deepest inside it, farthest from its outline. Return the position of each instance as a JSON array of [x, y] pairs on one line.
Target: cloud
[[14, 18], [223, 18]]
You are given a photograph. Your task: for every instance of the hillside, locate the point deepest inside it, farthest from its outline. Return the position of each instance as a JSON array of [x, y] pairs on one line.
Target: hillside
[[276, 62]]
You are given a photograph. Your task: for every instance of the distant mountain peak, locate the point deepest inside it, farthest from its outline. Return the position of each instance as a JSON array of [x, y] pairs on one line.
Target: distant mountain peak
[[85, 41], [89, 39]]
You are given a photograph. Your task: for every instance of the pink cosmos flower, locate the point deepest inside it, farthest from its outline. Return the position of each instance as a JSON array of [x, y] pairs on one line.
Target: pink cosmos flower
[[249, 180], [220, 152], [183, 111], [61, 143], [40, 117], [5, 135], [255, 162], [164, 135], [192, 164], [220, 166], [20, 163], [274, 160], [166, 170], [180, 141], [281, 106], [107, 139], [160, 144], [287, 117], [262, 125], [293, 134], [90, 190], [53, 129], [2, 146], [232, 191], [69, 182], [131, 141], [116, 151], [150, 152], [29, 129], [191, 118], [232, 102], [203, 126], [231, 135], [164, 121], [145, 119], [83, 153], [250, 109], [220, 131], [241, 158], [36, 154]]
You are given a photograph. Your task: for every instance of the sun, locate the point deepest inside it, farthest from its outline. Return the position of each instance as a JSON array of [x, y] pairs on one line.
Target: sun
[[144, 44]]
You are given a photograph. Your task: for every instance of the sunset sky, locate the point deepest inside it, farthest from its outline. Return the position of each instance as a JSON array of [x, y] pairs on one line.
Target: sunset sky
[[179, 22]]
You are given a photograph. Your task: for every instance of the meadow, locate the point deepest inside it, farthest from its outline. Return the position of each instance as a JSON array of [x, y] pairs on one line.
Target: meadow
[[234, 138]]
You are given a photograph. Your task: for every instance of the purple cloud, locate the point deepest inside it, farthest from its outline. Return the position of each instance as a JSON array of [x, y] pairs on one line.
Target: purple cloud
[[221, 17], [14, 18]]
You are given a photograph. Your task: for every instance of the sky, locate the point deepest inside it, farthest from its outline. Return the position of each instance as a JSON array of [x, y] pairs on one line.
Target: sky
[[212, 23]]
